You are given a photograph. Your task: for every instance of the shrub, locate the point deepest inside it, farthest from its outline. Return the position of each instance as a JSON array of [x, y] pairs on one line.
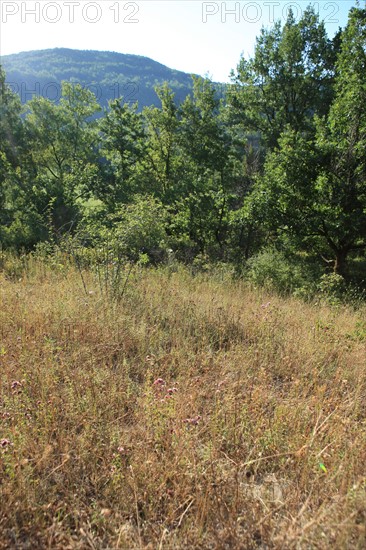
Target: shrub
[[273, 270]]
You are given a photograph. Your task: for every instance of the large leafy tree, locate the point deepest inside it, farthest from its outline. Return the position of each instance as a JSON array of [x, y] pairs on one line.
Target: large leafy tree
[[342, 139], [123, 146], [18, 218], [63, 143], [10, 137], [288, 80], [163, 165], [205, 148], [203, 138], [314, 189], [11, 129]]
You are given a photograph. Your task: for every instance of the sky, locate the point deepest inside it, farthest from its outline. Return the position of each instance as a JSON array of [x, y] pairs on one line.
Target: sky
[[202, 37]]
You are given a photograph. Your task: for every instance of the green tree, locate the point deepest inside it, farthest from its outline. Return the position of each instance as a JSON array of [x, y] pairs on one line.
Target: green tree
[[11, 129], [19, 222], [205, 190], [123, 146], [288, 80], [342, 139], [10, 135], [63, 143], [135, 231], [313, 191], [163, 164], [202, 134]]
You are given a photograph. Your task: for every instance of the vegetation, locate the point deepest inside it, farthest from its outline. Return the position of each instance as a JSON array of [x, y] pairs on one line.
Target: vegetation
[[313, 187], [192, 412], [275, 171]]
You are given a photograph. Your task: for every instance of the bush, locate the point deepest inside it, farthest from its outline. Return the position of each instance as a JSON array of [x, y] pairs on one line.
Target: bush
[[332, 286], [335, 290], [139, 230], [135, 232], [274, 270]]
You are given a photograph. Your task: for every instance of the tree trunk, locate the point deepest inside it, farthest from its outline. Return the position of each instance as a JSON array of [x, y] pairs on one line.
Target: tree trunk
[[340, 261]]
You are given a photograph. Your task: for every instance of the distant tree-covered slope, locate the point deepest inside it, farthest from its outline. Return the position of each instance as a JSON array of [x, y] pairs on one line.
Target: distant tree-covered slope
[[108, 74]]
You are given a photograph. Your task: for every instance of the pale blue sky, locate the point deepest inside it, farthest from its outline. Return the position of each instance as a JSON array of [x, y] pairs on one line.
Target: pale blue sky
[[188, 35]]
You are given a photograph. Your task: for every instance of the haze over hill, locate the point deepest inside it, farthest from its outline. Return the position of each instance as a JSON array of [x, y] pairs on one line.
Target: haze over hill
[[108, 74]]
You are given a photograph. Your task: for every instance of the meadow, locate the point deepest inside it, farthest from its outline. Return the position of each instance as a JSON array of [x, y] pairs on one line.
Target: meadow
[[193, 412]]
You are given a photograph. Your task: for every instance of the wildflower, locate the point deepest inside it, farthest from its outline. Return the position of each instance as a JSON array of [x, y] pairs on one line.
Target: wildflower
[[192, 421], [15, 384], [4, 443], [159, 382], [172, 390], [121, 451]]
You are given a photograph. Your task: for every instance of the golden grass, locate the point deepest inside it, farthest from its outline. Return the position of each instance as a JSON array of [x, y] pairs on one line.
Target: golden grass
[[260, 442]]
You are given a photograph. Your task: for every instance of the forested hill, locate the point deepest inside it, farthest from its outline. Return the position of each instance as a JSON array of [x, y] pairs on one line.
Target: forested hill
[[108, 74]]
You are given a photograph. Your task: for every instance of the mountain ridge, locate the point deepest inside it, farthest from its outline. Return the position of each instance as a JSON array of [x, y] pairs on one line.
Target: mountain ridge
[[108, 74]]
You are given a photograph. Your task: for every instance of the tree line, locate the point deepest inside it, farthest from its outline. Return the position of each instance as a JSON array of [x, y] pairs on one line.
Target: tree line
[[279, 162]]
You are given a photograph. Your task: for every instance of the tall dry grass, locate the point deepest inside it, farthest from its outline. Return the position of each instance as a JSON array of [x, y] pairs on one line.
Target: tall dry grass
[[194, 413]]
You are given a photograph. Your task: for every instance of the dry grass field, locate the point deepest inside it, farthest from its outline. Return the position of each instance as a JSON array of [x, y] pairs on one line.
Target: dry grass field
[[193, 413]]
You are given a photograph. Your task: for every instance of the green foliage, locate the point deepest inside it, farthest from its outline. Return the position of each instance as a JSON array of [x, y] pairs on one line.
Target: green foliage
[[332, 286], [123, 145], [342, 140], [135, 232], [274, 270], [314, 190], [335, 290], [62, 147], [25, 229], [19, 221], [288, 80], [138, 230], [163, 165], [271, 180], [11, 129], [202, 135]]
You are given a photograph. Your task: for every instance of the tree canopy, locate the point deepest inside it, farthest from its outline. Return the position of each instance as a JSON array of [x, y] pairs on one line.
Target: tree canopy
[[279, 161]]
